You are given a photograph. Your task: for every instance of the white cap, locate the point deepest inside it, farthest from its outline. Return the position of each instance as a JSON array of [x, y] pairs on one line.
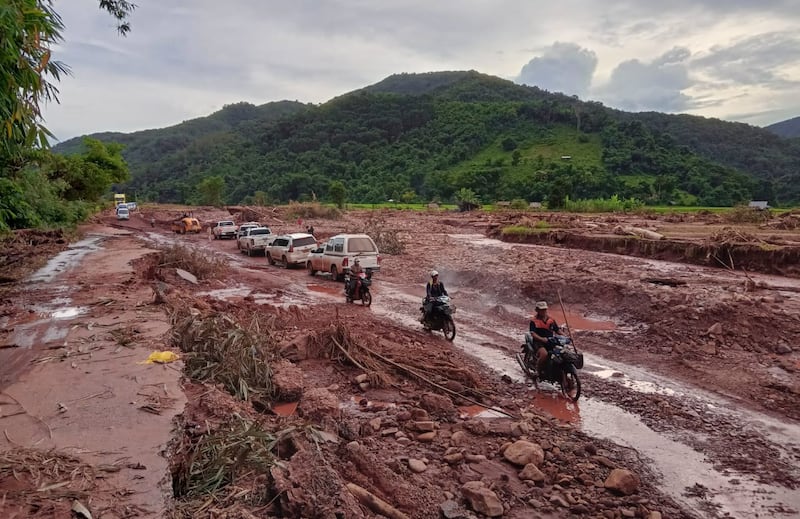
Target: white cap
[[434, 273]]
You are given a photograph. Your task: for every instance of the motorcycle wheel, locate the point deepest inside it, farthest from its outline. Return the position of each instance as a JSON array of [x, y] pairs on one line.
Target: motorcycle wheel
[[524, 365], [449, 329], [571, 385], [366, 299]]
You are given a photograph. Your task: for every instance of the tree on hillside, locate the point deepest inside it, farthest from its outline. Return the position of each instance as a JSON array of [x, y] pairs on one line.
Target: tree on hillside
[[337, 193], [211, 191], [89, 175], [30, 29]]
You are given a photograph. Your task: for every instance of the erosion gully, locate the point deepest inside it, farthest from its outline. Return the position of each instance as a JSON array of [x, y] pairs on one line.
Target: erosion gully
[[688, 474], [491, 338]]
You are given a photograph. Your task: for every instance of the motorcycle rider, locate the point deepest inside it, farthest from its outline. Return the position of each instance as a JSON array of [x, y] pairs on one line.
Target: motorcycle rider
[[542, 328], [434, 288], [355, 282]]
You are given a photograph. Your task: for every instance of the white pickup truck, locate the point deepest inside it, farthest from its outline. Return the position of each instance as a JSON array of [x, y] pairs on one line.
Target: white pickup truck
[[255, 239], [339, 254], [224, 229]]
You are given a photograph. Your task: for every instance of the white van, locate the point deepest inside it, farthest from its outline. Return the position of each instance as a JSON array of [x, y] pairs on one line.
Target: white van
[[123, 213], [339, 253]]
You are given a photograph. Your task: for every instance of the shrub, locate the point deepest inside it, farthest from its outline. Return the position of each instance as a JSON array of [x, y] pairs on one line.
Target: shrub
[[312, 210], [519, 204]]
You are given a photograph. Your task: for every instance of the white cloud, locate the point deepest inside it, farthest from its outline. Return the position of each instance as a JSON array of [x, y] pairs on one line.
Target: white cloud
[[184, 57]]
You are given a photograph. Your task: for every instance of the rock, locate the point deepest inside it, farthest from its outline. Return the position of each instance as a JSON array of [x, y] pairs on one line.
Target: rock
[[419, 414], [590, 449], [454, 458], [417, 466], [452, 510], [654, 515], [622, 481], [424, 426], [520, 429], [628, 512], [375, 423], [715, 329], [558, 500], [390, 431], [362, 378], [403, 416], [783, 348], [602, 460], [438, 405], [579, 509], [523, 452], [458, 438], [532, 473], [296, 349], [288, 381], [317, 403], [404, 441], [364, 386], [477, 427], [426, 437], [482, 500]]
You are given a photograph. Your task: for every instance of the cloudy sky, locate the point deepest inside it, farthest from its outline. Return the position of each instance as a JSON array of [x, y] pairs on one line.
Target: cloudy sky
[[733, 59]]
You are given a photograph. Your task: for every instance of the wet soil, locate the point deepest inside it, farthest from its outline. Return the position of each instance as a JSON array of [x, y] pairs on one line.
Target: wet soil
[[687, 383]]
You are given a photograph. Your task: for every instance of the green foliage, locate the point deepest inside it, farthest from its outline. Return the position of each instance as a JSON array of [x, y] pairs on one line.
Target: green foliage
[[337, 193], [523, 230], [435, 134], [90, 175], [519, 204], [603, 205], [211, 191], [467, 199]]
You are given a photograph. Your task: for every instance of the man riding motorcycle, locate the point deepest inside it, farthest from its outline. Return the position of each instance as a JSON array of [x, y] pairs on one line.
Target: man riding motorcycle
[[355, 281], [433, 289], [542, 329]]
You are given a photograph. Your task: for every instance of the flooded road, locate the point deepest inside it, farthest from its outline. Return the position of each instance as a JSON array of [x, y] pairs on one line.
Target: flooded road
[[697, 441]]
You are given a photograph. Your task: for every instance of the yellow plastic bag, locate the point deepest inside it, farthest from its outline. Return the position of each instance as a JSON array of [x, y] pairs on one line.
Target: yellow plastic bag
[[161, 357]]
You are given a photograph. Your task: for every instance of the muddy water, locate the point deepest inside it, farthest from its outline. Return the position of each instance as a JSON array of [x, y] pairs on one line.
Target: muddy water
[[679, 465]]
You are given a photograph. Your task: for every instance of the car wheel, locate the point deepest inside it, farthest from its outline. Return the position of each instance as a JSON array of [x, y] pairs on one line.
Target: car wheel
[[310, 268], [270, 261], [285, 262], [249, 252], [334, 273]]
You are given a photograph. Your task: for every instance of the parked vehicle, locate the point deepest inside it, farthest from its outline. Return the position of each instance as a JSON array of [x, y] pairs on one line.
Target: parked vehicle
[[243, 228], [291, 249], [440, 316], [255, 239], [224, 229], [123, 213], [364, 295], [340, 252], [561, 368], [186, 224]]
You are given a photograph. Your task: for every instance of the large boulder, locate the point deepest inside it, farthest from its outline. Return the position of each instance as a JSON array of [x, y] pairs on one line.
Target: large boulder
[[523, 452], [622, 481], [482, 500], [288, 381]]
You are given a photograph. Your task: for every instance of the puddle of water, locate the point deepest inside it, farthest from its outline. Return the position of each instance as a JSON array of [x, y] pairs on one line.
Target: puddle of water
[[557, 406], [334, 291], [68, 313], [285, 409], [66, 260], [641, 386], [279, 300]]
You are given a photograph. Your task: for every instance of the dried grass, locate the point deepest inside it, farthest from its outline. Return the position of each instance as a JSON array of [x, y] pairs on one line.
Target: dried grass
[[745, 214], [203, 264], [46, 468], [312, 210], [336, 343], [388, 240], [221, 349]]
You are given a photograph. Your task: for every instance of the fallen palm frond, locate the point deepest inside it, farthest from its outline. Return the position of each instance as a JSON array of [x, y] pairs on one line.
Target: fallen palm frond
[[203, 264], [225, 470], [219, 348]]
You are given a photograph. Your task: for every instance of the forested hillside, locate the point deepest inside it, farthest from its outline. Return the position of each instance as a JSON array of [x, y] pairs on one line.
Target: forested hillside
[[789, 128], [426, 136]]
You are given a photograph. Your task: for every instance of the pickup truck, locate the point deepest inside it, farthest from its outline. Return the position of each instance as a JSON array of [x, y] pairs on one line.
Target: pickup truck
[[339, 253], [255, 239], [224, 229]]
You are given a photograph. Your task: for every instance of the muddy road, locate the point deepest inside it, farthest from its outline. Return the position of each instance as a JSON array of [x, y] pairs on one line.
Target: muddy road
[[687, 368], [689, 375]]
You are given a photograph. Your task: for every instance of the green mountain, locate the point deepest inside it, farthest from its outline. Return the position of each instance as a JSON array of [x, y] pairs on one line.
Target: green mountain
[[426, 136], [789, 128]]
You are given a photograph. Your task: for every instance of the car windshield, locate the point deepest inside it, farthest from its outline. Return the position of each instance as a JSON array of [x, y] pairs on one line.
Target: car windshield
[[225, 224], [259, 231], [306, 240], [361, 245]]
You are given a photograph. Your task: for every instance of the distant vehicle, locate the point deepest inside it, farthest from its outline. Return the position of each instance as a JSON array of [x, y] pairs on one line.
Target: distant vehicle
[[131, 206], [255, 239], [186, 224], [224, 229], [340, 252], [291, 249], [243, 228], [119, 198], [123, 214], [121, 206]]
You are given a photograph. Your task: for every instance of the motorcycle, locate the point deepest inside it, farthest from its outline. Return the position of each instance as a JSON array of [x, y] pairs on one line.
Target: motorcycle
[[363, 292], [561, 367], [440, 317]]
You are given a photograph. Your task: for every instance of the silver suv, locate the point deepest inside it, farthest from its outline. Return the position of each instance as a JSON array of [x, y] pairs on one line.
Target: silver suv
[[291, 249]]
